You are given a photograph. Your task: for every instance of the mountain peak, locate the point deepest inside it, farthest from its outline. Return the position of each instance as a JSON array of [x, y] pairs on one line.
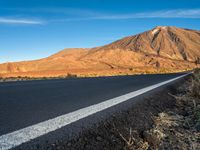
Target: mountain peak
[[163, 47], [166, 41], [159, 28]]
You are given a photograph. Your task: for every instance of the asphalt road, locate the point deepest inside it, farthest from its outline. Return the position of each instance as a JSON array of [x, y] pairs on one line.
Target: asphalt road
[[25, 103]]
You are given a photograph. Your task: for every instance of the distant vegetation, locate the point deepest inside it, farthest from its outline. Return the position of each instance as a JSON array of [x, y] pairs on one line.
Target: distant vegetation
[[21, 78], [128, 71]]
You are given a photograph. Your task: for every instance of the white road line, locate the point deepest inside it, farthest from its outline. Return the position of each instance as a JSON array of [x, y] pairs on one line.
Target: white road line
[[18, 137]]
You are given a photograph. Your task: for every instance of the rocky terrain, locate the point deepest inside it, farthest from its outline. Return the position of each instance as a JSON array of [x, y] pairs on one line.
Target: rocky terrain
[[160, 50]]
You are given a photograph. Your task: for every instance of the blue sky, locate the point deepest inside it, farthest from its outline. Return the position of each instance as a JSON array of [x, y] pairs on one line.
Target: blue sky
[[31, 29]]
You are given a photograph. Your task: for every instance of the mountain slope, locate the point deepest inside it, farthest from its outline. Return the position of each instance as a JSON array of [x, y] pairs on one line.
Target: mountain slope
[[169, 42], [162, 49]]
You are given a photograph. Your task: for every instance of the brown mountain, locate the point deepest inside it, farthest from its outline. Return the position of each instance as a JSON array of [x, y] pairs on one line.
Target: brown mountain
[[168, 42], [162, 49]]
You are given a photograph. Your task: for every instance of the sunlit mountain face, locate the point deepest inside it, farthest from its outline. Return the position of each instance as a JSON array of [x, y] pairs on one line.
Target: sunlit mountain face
[[162, 49]]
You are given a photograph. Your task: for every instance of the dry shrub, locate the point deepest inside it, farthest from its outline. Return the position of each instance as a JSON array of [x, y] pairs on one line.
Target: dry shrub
[[196, 83], [69, 75]]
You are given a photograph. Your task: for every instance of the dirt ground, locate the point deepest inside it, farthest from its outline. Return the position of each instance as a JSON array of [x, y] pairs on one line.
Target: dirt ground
[[167, 121]]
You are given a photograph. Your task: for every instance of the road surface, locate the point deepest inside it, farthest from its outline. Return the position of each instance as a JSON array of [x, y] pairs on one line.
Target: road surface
[[26, 103]]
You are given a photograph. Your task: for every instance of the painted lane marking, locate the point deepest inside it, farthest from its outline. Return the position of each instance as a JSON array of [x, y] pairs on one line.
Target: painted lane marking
[[16, 138]]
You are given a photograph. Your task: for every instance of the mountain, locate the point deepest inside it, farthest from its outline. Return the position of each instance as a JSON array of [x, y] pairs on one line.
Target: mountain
[[168, 42], [162, 49]]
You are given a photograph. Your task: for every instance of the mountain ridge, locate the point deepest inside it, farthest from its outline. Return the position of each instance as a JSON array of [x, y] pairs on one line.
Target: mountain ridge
[[165, 48], [147, 41]]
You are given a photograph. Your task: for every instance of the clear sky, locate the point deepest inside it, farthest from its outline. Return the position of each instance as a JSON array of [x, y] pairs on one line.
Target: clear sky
[[31, 29]]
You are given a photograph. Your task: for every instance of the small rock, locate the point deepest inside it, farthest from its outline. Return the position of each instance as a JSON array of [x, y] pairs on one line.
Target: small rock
[[99, 138], [58, 148], [197, 126], [198, 107], [69, 144], [87, 147]]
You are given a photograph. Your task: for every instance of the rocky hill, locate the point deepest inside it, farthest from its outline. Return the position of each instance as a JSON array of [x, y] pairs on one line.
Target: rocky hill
[[162, 49]]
